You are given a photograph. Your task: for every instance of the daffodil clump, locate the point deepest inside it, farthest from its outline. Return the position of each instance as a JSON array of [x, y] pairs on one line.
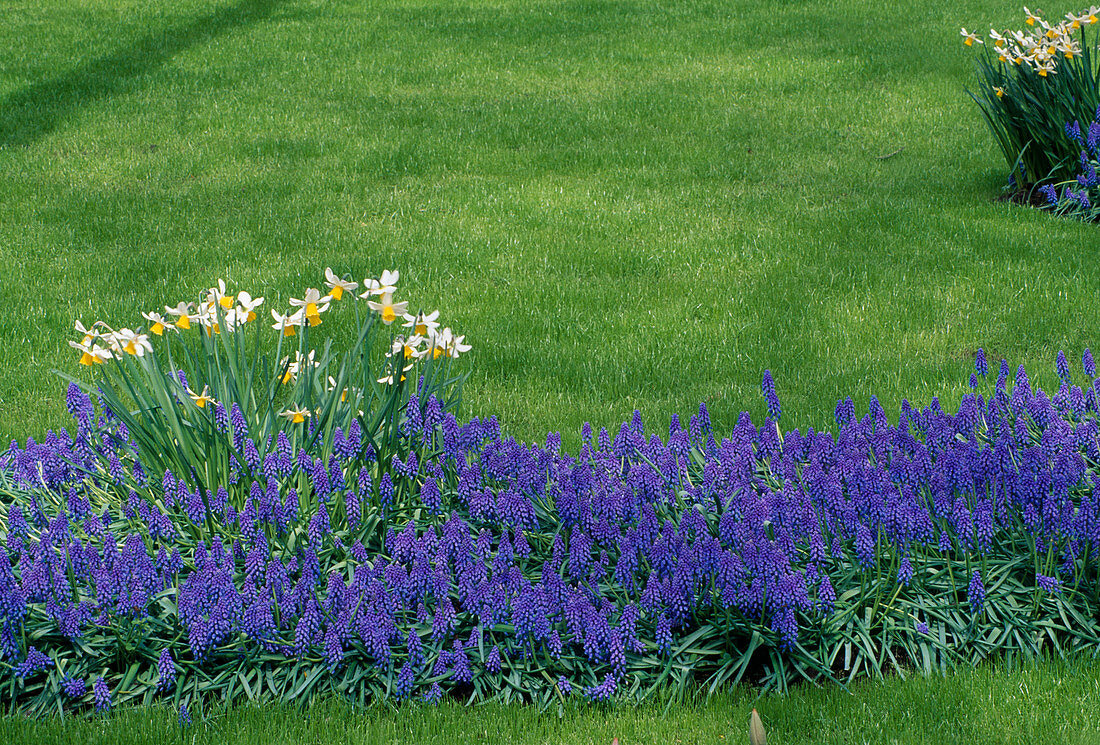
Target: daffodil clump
[[1034, 83], [174, 382]]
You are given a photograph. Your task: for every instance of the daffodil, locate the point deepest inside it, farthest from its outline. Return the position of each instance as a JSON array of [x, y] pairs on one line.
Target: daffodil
[[131, 342], [337, 287], [248, 305], [287, 323], [183, 314], [998, 40], [386, 285], [208, 319], [332, 387], [453, 345], [969, 38], [999, 91], [388, 379], [296, 416], [88, 334], [1031, 17], [293, 369], [201, 399], [1094, 11], [411, 348], [157, 322], [90, 353], [218, 296], [312, 305], [421, 324], [388, 309]]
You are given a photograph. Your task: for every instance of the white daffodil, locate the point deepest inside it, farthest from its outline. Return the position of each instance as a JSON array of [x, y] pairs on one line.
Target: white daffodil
[[208, 319], [201, 399], [132, 342], [970, 39], [218, 296], [437, 343], [293, 369], [248, 305], [388, 309], [88, 334], [157, 322], [421, 324], [1031, 17], [448, 344], [312, 305], [411, 348], [386, 285], [296, 416], [337, 287], [388, 379], [287, 323], [998, 40], [183, 314], [332, 387], [90, 353], [1069, 48], [457, 346]]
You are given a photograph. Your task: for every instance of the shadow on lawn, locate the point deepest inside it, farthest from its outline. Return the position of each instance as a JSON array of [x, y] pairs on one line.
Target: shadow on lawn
[[33, 112]]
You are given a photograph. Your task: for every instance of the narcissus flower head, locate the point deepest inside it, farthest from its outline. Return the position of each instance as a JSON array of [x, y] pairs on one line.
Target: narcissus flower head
[[183, 313], [970, 39], [337, 286], [201, 399], [157, 322], [312, 305], [90, 353], [218, 296], [287, 323], [296, 416], [388, 309], [422, 324], [128, 341], [386, 285], [247, 306]]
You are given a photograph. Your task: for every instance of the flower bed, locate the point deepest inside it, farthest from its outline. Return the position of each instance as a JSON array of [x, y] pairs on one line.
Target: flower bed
[[371, 546], [1039, 89]]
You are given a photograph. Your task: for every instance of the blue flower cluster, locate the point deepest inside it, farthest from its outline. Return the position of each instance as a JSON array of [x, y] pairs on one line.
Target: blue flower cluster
[[468, 563], [1080, 198]]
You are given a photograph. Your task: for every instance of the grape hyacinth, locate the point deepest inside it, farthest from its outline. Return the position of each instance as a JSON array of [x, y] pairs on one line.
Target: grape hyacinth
[[422, 567], [102, 694]]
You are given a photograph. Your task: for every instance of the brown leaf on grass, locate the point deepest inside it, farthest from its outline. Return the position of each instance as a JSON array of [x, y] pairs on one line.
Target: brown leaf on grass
[[756, 730]]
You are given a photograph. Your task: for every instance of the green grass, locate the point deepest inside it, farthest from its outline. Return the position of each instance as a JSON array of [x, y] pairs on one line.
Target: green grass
[[623, 203], [1050, 704]]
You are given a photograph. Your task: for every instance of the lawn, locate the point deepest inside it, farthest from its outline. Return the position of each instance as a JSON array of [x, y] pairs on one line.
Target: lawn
[[1053, 704], [621, 204]]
